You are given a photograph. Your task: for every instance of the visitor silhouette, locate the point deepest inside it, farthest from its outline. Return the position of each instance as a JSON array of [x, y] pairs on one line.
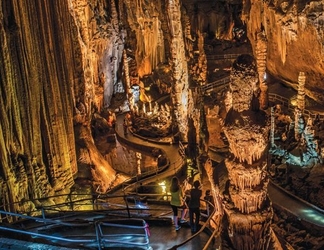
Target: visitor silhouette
[[177, 202], [194, 206]]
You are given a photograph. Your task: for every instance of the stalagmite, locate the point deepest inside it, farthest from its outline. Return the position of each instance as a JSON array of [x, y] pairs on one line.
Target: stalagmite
[[272, 127], [301, 91], [247, 206], [261, 59], [128, 82]]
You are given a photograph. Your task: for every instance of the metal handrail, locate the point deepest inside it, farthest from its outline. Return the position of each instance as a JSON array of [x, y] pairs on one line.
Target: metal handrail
[[98, 239], [205, 225], [285, 101], [144, 227], [216, 84], [177, 166]]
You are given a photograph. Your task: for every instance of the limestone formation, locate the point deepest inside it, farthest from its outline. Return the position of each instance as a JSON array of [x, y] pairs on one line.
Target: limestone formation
[[301, 91], [247, 205], [294, 31], [144, 19], [38, 154], [180, 86], [261, 59], [53, 80], [62, 62]]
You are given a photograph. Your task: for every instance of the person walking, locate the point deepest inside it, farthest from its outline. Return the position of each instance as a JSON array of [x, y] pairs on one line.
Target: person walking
[[177, 202], [194, 206]]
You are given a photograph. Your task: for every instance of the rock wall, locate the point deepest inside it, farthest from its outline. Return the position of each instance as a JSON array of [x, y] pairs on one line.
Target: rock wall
[[54, 75], [294, 31], [36, 126]]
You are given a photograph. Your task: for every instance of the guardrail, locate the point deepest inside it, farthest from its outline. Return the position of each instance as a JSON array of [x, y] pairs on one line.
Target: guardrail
[[99, 233], [205, 226], [275, 98], [221, 57], [215, 84]]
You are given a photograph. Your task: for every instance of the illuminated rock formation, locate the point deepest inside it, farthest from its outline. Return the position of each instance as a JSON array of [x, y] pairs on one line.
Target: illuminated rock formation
[[247, 206], [201, 68], [301, 91], [102, 45], [37, 155], [180, 86], [294, 31], [144, 19], [54, 73], [217, 197], [261, 58]]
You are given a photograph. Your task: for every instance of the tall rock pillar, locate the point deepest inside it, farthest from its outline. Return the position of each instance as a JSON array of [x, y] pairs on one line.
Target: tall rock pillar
[[180, 87], [261, 57], [299, 110], [301, 91], [247, 206]]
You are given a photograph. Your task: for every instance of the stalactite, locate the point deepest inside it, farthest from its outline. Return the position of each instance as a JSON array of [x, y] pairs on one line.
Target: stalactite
[[243, 149], [144, 19], [244, 176]]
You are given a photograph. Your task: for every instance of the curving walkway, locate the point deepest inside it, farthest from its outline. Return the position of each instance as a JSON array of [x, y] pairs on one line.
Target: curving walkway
[[279, 197], [163, 238], [171, 150], [303, 210]]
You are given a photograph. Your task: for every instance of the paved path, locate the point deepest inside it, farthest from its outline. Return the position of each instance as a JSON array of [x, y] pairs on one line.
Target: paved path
[[296, 206], [301, 209], [171, 150]]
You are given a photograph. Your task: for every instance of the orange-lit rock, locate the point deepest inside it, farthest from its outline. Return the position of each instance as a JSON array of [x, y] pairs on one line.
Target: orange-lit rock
[[294, 31], [246, 128]]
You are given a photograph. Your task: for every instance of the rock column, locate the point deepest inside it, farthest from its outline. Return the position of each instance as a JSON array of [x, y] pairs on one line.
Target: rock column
[[180, 87], [247, 206], [129, 92], [261, 57], [301, 91], [272, 127], [299, 119]]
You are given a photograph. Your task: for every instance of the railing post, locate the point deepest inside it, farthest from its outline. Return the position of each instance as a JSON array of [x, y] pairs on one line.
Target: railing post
[[43, 215], [98, 237], [127, 207]]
